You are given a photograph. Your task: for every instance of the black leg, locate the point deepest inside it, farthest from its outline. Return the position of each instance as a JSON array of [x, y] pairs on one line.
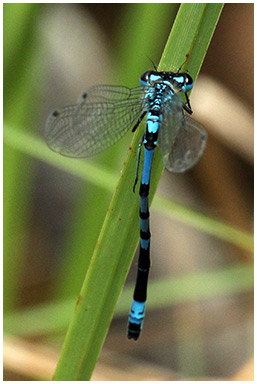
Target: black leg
[[138, 161], [188, 103], [139, 121]]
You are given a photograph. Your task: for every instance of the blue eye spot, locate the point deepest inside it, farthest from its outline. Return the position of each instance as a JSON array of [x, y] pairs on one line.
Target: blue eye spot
[[179, 79]]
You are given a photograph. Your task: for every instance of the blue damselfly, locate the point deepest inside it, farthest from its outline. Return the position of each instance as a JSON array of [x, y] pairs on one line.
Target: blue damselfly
[[104, 114]]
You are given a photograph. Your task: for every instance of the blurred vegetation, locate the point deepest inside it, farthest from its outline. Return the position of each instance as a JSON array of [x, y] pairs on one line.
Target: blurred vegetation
[[22, 87]]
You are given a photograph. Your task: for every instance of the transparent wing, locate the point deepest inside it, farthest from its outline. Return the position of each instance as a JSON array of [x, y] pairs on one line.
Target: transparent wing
[[101, 117], [188, 147], [172, 119]]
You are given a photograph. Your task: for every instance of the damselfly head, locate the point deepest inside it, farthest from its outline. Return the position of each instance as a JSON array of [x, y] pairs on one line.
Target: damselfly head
[[181, 82]]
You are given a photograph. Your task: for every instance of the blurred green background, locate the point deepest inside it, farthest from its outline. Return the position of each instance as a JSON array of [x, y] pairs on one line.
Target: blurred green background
[[53, 210]]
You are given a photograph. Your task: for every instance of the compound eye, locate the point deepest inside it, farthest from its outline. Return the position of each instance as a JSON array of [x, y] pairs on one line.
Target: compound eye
[[188, 83], [188, 80], [145, 77]]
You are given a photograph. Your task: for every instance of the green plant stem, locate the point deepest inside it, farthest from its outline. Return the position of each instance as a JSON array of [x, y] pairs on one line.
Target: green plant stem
[[119, 236], [91, 202]]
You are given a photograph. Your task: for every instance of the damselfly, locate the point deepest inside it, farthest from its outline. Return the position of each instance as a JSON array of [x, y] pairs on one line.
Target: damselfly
[[103, 114]]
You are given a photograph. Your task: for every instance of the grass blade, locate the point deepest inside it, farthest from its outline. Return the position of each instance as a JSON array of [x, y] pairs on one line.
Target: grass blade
[[119, 236]]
